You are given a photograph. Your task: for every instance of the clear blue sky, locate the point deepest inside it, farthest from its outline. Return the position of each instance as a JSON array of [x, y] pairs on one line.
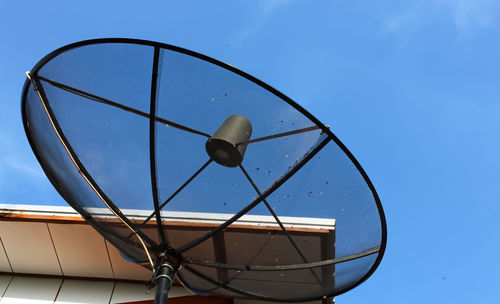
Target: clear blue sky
[[411, 87]]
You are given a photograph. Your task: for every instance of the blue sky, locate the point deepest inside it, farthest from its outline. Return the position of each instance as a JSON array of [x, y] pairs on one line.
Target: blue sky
[[410, 87]]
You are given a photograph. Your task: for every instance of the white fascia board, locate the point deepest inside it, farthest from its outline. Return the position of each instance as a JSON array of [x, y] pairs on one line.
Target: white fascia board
[[176, 216]]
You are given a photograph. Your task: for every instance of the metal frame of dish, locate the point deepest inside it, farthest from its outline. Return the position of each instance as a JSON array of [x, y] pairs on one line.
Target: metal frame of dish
[[34, 81]]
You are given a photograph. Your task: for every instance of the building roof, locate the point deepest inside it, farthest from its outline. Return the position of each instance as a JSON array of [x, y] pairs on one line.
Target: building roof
[[54, 248]]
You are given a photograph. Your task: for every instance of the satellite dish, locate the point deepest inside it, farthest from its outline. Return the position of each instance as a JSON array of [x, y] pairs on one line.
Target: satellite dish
[[195, 169]]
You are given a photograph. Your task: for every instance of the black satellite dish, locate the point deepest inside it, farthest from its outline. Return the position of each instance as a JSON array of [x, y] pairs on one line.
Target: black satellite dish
[[195, 169]]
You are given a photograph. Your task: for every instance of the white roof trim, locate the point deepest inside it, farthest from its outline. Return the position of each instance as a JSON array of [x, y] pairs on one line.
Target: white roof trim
[[176, 216]]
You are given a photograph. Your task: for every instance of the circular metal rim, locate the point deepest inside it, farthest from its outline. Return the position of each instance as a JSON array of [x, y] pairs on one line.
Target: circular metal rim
[[251, 78]]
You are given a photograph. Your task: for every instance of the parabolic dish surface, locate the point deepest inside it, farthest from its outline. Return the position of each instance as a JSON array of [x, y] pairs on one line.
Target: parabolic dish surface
[[120, 125]]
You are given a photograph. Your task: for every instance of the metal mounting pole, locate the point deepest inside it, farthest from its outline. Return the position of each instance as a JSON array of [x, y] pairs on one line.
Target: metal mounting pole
[[163, 278]]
